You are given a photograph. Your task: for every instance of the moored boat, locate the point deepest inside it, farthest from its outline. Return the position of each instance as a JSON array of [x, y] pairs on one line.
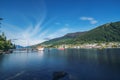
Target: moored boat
[[40, 48], [61, 48]]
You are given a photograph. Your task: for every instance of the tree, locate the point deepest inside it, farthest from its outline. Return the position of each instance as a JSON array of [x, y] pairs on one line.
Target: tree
[[5, 44]]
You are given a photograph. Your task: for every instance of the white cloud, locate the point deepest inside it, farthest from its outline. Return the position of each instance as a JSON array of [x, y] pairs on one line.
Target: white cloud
[[32, 34], [30, 25], [90, 19], [93, 22], [63, 30], [23, 37]]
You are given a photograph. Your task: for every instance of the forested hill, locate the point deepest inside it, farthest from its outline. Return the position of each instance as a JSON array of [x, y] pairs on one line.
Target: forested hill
[[109, 32]]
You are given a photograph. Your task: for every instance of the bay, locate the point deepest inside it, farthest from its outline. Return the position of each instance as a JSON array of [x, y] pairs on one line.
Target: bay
[[80, 64]]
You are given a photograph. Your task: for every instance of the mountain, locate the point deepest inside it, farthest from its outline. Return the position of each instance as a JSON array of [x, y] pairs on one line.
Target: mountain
[[66, 39], [109, 32], [18, 46]]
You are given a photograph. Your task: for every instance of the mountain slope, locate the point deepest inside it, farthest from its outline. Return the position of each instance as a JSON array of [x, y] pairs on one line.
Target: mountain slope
[[66, 39], [109, 32]]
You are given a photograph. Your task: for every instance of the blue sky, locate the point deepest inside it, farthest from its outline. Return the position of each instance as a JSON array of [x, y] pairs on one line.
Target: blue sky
[[34, 21]]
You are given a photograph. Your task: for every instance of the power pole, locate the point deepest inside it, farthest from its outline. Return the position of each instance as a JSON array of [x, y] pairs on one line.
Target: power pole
[[0, 24]]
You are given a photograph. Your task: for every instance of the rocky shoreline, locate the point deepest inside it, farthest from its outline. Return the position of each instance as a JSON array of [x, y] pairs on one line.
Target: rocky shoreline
[[6, 52]]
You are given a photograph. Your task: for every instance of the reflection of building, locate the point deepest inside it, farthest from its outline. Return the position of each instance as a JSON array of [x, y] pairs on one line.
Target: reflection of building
[[40, 53], [40, 48]]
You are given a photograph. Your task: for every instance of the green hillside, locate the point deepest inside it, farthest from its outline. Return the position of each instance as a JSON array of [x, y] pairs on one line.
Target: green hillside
[[109, 32], [67, 39], [105, 33]]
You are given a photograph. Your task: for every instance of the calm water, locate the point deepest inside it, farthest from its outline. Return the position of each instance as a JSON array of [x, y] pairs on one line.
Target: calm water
[[81, 64]]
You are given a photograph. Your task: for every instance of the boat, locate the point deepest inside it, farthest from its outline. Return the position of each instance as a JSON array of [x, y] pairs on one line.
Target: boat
[[40, 48], [61, 48]]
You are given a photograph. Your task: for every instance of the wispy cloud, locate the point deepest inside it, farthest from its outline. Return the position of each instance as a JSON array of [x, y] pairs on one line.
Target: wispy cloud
[[26, 36], [90, 19], [32, 34]]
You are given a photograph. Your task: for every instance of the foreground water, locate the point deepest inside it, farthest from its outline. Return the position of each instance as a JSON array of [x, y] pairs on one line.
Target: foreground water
[[80, 64]]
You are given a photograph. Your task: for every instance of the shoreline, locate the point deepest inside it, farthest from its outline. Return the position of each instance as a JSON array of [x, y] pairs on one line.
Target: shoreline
[[6, 52], [88, 45], [84, 48]]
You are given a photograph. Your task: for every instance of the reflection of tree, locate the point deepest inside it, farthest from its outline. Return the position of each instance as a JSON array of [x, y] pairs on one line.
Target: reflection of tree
[[1, 61], [97, 56], [108, 56]]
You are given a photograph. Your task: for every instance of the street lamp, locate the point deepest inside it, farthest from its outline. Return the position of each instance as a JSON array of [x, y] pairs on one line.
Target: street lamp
[[0, 23]]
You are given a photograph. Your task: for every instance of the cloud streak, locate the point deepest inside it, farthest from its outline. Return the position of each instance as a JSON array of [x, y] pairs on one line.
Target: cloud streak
[[90, 19], [30, 32], [33, 34]]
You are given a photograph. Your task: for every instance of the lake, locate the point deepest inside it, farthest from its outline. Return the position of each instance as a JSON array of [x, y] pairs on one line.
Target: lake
[[80, 64]]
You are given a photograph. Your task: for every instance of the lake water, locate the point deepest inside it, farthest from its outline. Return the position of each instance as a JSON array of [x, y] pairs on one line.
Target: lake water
[[80, 64]]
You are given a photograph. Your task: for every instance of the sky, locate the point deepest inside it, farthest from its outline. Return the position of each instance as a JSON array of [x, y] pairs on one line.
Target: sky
[[29, 22]]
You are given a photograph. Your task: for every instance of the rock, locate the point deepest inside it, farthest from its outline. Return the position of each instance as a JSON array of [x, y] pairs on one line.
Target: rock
[[59, 74]]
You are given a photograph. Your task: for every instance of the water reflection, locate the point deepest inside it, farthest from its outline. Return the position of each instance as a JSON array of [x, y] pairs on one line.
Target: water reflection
[[40, 53], [100, 56], [80, 64]]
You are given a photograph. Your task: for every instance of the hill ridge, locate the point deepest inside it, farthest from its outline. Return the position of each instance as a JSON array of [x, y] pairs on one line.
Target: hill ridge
[[109, 32]]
